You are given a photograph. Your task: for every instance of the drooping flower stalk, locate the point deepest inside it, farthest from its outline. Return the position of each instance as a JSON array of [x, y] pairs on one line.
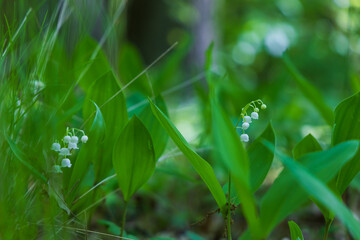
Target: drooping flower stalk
[[65, 147], [246, 120]]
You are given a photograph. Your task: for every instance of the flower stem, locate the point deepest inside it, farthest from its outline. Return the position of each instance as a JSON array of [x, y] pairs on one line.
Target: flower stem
[[123, 219]]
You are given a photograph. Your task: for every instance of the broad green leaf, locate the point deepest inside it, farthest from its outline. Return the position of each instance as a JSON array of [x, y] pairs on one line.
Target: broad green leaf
[[347, 127], [114, 113], [130, 65], [89, 68], [158, 134], [310, 92], [172, 66], [202, 167], [295, 231], [89, 151], [231, 151], [260, 158], [317, 189], [133, 157], [285, 195], [307, 145]]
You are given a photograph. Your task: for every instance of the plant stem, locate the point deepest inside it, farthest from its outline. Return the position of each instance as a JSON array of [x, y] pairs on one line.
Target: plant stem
[[123, 220], [228, 222], [327, 227]]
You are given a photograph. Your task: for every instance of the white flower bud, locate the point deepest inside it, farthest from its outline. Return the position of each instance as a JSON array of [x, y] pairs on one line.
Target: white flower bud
[[66, 163], [256, 109], [247, 119], [56, 147], [57, 169], [245, 125], [263, 106], [84, 138], [64, 152], [74, 139], [244, 137], [72, 146], [254, 115], [67, 139]]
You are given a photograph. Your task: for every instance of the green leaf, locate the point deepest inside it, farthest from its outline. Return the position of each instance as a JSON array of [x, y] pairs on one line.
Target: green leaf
[[307, 145], [310, 92], [260, 158], [295, 231], [130, 65], [133, 157], [208, 62], [89, 151], [112, 227], [285, 195], [23, 159], [54, 191], [158, 134], [114, 113], [87, 67], [202, 167], [347, 127], [317, 189], [172, 66], [232, 153]]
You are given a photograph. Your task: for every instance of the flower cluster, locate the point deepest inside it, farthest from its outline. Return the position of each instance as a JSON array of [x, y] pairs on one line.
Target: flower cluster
[[246, 120], [66, 146]]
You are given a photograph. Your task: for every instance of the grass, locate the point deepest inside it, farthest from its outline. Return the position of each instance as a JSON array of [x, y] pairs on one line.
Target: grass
[[143, 177]]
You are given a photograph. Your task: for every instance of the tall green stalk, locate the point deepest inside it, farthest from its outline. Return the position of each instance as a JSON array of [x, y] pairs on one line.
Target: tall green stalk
[[123, 220], [327, 227]]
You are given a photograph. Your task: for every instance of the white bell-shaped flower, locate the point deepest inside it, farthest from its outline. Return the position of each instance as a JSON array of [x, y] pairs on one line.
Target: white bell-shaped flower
[[84, 139], [67, 139], [244, 137], [263, 106], [245, 125], [66, 163], [56, 147], [64, 152], [74, 139], [247, 119], [72, 146], [254, 115]]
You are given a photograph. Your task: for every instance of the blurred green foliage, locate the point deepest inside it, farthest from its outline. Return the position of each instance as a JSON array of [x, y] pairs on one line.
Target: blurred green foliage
[[93, 64]]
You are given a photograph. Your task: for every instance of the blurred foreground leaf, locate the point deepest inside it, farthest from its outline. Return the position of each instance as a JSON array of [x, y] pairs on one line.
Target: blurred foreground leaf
[[315, 186], [233, 154], [288, 192], [310, 92]]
